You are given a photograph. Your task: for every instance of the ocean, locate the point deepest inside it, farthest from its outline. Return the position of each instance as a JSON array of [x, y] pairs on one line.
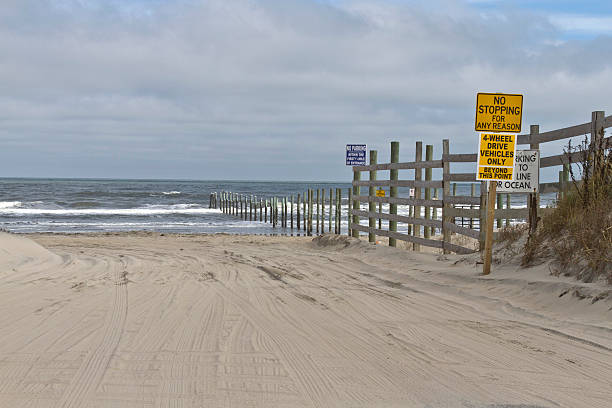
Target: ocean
[[173, 206]]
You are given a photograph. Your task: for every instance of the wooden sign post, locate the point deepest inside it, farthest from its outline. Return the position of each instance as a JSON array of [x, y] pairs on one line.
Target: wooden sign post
[[496, 152]]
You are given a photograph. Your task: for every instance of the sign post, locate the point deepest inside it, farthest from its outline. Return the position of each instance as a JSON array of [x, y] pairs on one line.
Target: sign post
[[496, 113]]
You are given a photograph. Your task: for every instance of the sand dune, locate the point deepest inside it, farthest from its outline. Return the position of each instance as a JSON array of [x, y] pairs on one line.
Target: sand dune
[[150, 320]]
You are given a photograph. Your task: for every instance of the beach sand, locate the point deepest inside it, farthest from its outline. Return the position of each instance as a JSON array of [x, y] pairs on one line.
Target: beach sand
[[153, 320]]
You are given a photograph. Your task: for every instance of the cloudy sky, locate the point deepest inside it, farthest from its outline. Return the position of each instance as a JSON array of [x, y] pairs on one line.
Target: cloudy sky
[[274, 89]]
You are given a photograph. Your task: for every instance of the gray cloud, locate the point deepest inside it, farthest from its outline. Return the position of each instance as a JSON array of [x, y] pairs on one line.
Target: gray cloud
[[269, 89]]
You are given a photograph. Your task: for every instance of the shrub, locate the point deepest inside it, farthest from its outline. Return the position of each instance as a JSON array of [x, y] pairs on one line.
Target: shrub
[[578, 231]]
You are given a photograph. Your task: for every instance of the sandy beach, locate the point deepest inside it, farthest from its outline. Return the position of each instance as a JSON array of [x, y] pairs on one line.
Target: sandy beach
[[156, 320]]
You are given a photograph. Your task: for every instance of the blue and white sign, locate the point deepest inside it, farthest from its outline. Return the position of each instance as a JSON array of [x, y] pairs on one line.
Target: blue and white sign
[[355, 155]]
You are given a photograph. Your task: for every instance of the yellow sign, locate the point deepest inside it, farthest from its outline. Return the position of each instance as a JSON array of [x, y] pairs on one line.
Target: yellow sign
[[496, 157], [380, 193], [497, 112]]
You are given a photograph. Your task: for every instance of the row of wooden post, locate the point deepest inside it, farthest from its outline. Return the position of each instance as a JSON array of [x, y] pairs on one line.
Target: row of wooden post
[[308, 211], [430, 212]]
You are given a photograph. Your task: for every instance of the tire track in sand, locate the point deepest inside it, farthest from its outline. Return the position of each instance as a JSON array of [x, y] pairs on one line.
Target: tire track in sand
[[90, 373]]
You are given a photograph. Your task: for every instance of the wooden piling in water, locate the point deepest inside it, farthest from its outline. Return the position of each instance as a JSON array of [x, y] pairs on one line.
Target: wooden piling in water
[[291, 212]]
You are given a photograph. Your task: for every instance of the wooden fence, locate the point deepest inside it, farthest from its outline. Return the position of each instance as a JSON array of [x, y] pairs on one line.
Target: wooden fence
[[420, 220], [310, 213], [315, 211]]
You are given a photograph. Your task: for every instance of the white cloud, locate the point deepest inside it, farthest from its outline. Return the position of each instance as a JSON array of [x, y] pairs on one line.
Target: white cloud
[[214, 89], [583, 23]]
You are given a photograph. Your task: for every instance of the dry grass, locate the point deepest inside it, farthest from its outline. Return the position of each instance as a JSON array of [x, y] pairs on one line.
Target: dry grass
[[578, 233], [511, 233]]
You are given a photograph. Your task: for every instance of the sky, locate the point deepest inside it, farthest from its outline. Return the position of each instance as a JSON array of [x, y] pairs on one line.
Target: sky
[[275, 89]]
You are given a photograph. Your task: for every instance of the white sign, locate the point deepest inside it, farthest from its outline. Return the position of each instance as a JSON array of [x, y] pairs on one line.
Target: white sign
[[526, 174]]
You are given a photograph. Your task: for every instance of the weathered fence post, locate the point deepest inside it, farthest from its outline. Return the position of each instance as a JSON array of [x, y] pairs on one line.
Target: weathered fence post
[[299, 201], [446, 233], [371, 195], [318, 209], [356, 202], [533, 203], [597, 134], [310, 194], [418, 176], [274, 210], [331, 207], [305, 199], [428, 171], [393, 177]]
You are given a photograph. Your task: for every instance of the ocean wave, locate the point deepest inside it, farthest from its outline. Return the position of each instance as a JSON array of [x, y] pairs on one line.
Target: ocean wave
[[10, 204], [171, 192], [187, 209]]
